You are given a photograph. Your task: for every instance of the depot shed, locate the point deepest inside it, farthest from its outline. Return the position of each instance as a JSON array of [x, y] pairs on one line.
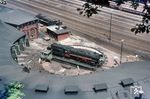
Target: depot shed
[[21, 20], [58, 32]]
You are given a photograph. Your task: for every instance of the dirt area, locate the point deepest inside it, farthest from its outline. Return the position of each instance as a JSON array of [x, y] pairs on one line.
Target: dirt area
[[113, 59], [63, 69], [31, 57]]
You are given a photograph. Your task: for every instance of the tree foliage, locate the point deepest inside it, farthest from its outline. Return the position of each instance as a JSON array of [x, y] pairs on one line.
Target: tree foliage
[[91, 7], [13, 91]]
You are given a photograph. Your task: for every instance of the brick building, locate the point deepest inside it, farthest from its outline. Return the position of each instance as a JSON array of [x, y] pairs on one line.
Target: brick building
[[58, 32], [21, 20]]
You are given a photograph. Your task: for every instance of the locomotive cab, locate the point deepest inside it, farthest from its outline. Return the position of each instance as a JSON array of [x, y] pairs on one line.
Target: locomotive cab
[[46, 55], [101, 60]]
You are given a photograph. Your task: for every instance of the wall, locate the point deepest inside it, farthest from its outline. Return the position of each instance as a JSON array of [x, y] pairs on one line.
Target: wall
[[30, 29], [62, 36]]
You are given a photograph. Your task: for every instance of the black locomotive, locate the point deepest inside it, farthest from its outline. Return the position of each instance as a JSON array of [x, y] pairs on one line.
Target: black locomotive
[[81, 55]]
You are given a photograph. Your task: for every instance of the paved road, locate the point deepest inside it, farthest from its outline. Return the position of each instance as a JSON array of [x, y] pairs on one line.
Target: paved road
[[97, 26]]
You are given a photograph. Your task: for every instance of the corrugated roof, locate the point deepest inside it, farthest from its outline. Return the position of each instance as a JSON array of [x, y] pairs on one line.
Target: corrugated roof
[[8, 35], [15, 16]]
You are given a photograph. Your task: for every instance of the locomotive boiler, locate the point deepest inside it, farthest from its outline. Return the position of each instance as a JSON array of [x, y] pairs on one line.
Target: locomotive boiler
[[77, 54]]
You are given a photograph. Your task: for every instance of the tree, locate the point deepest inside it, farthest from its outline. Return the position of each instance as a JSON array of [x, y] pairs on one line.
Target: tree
[[13, 91], [91, 7]]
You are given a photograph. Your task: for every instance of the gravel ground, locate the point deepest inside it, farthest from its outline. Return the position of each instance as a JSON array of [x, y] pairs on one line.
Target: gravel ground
[[30, 57]]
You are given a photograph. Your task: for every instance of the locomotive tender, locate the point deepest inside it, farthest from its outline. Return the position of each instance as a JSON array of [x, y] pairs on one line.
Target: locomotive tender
[[80, 55]]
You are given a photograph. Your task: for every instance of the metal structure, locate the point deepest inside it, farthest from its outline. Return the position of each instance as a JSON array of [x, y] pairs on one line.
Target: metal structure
[[121, 50], [80, 55], [75, 56]]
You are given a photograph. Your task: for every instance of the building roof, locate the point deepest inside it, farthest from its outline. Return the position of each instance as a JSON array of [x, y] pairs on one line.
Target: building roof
[[11, 71], [8, 35], [57, 30], [15, 16]]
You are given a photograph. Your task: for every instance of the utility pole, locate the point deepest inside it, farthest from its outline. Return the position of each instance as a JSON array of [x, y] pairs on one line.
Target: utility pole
[[109, 37], [122, 41]]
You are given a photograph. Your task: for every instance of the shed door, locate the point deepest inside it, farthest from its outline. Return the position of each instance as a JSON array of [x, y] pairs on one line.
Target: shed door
[[32, 33]]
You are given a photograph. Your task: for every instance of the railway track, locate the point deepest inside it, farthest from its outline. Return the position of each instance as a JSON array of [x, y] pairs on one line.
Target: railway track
[[103, 25], [73, 4], [84, 27], [126, 20]]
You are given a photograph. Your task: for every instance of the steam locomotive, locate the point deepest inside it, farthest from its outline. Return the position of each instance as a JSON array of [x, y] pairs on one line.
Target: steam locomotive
[[80, 55]]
